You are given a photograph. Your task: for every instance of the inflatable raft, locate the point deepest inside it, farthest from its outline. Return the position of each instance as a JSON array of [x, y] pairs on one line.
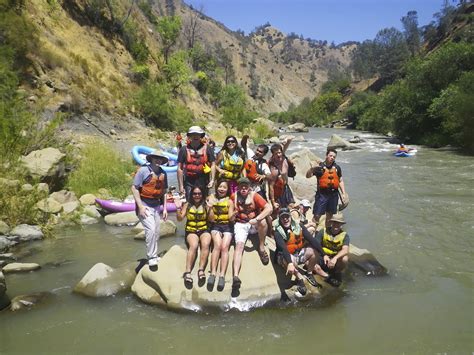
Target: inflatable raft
[[117, 206], [408, 153], [139, 153]]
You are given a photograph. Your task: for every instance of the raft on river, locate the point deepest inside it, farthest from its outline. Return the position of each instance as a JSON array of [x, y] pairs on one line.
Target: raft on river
[[139, 153], [117, 206]]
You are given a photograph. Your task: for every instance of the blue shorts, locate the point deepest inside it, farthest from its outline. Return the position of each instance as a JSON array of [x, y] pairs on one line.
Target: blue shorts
[[325, 202], [222, 228]]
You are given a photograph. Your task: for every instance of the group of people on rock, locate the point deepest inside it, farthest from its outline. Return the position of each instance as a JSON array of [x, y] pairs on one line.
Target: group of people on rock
[[225, 198]]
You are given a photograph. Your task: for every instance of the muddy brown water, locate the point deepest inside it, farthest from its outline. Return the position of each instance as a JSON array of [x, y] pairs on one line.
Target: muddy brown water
[[414, 214]]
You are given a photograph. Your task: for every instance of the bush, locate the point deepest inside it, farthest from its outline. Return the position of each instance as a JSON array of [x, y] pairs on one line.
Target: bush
[[101, 167]]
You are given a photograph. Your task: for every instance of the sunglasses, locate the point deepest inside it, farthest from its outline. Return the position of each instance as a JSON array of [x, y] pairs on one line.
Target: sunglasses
[[197, 193], [231, 142]]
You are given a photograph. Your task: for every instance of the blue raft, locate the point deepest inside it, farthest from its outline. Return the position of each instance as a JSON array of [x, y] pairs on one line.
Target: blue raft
[[139, 153]]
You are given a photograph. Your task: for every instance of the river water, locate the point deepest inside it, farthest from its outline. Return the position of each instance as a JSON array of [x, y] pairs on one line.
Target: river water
[[416, 215]]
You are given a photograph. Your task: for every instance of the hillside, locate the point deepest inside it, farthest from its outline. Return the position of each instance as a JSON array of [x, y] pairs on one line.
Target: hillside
[[80, 65]]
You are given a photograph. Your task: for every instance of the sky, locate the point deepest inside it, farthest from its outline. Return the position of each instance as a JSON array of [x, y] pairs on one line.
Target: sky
[[331, 20]]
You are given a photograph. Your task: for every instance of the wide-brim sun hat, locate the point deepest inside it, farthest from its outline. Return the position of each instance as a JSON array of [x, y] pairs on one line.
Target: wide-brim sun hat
[[338, 217], [157, 154], [196, 129], [305, 203]]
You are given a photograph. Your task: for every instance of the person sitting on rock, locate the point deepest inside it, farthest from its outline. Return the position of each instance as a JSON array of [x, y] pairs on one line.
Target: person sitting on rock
[[222, 217], [230, 162], [196, 163], [291, 239], [279, 192], [258, 171], [299, 214], [149, 188], [335, 245], [250, 213], [197, 233], [329, 177]]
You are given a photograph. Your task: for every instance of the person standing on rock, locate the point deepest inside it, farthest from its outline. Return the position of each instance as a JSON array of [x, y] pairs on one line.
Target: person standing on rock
[[196, 163], [335, 245], [251, 211], [258, 171], [279, 192], [196, 212], [230, 162], [329, 177], [291, 238], [149, 188]]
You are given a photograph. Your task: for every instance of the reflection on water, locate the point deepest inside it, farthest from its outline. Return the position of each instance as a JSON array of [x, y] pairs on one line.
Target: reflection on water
[[414, 214]]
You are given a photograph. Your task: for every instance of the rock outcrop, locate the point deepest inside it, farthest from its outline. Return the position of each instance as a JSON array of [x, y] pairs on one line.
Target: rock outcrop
[[102, 280], [337, 142], [44, 163], [121, 219], [26, 232], [297, 127], [300, 185]]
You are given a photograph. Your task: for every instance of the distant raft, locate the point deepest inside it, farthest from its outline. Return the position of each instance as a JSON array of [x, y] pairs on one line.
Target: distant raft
[[408, 153], [117, 206], [139, 153]]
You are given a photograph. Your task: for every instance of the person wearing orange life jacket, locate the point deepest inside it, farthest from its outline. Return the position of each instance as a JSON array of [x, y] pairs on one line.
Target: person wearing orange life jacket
[[258, 171], [251, 211], [196, 163], [335, 245], [279, 192], [329, 179], [230, 162], [291, 240], [149, 188]]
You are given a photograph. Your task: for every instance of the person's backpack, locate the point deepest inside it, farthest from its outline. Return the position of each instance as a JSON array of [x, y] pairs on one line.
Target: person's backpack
[[291, 168]]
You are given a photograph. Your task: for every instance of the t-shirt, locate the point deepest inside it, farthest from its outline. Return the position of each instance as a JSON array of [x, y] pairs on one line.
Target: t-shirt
[[143, 174]]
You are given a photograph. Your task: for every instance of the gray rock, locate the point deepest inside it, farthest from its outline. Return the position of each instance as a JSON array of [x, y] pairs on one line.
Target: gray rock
[[43, 187], [337, 142], [87, 199], [27, 187], [4, 228], [6, 243], [70, 207], [26, 232], [365, 261], [8, 257], [297, 127], [4, 300], [43, 163], [85, 219], [300, 185], [30, 300], [121, 219], [64, 196], [92, 211], [49, 205], [167, 229], [102, 280], [20, 267]]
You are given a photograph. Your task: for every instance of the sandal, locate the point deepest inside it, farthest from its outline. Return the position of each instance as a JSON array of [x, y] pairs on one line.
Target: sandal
[[312, 281], [188, 280], [236, 282], [201, 277], [221, 283], [264, 257], [210, 282]]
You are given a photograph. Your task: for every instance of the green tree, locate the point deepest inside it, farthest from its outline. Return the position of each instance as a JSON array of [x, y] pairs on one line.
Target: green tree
[[391, 53], [177, 72], [412, 32], [169, 28]]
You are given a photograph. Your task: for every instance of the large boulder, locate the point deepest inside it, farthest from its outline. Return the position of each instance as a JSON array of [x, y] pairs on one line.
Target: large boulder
[[121, 219], [64, 196], [49, 205], [167, 229], [102, 280], [337, 142], [26, 233], [297, 127], [365, 261], [44, 163], [300, 185], [28, 301], [87, 199], [20, 267], [261, 285], [70, 207]]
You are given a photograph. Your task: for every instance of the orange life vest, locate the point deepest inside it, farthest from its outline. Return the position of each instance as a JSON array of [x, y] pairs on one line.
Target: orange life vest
[[245, 212], [278, 187], [153, 186], [329, 179], [195, 161], [253, 168], [294, 239]]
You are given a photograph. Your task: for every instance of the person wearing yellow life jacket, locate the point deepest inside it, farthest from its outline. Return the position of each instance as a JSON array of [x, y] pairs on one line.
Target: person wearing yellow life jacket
[[230, 162], [149, 188], [335, 245], [329, 180], [251, 212], [296, 246], [196, 163], [279, 191], [257, 171], [222, 217], [197, 233]]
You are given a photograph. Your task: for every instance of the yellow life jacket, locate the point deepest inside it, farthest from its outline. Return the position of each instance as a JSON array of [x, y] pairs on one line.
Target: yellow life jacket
[[196, 219], [332, 244], [232, 167], [221, 211]]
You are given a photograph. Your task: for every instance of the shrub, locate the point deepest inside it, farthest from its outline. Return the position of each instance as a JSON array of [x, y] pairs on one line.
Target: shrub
[[101, 167]]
